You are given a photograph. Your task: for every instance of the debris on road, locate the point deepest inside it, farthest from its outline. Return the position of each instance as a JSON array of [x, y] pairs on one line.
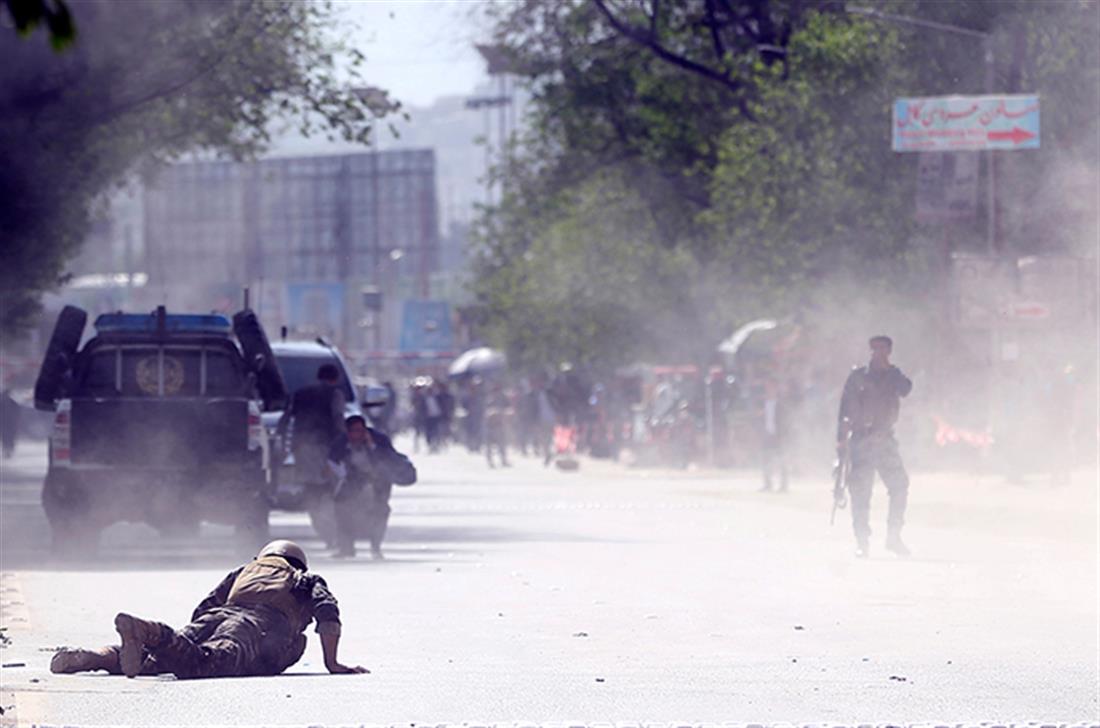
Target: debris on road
[[799, 628], [580, 634], [899, 678], [600, 679], [13, 664]]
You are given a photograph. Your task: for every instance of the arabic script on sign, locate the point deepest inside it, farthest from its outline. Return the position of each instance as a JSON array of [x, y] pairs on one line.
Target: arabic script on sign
[[966, 123]]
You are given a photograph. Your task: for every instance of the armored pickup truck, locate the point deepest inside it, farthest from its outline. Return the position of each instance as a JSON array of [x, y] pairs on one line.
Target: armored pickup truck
[[157, 419]]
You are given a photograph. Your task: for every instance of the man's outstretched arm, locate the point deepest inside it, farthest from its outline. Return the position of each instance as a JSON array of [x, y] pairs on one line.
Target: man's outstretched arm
[[330, 641]]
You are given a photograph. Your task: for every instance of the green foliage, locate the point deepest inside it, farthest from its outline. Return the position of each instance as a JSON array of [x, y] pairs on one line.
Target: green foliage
[[677, 180], [29, 14], [143, 83]]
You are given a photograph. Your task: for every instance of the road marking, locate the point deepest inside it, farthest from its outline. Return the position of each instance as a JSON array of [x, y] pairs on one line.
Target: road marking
[[14, 618], [13, 606], [411, 508]]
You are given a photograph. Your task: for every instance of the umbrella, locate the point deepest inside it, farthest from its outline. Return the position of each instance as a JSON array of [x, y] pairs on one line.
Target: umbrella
[[481, 360], [733, 344]]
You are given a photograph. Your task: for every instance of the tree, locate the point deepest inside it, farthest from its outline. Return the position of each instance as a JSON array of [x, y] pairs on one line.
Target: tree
[[54, 14], [140, 88], [624, 147], [741, 150]]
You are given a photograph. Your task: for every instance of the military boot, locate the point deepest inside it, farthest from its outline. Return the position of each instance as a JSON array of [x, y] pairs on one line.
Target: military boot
[[895, 544], [69, 660], [136, 634]]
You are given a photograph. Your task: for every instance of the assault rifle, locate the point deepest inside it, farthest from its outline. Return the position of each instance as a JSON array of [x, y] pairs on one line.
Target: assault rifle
[[841, 468]]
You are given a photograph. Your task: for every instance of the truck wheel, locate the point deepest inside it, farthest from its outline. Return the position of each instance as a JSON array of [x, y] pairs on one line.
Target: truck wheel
[[59, 356], [67, 509]]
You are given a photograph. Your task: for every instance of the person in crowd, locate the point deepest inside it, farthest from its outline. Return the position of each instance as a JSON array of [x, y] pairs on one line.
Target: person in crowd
[[447, 405], [10, 414], [498, 410], [382, 416], [418, 398], [774, 436], [433, 417], [474, 404]]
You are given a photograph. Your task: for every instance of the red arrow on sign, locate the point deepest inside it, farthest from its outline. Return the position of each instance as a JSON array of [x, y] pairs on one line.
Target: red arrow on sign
[[1015, 136], [1026, 310]]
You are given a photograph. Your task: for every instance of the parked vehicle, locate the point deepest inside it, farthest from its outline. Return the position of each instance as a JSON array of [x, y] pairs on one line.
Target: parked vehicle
[[157, 419]]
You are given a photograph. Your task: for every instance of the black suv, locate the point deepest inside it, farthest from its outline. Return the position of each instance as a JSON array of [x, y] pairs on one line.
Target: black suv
[[158, 420]]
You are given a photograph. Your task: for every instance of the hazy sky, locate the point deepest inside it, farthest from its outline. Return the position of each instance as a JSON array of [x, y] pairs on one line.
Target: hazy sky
[[417, 49]]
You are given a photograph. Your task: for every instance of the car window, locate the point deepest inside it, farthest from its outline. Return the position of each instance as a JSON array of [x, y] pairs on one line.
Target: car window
[[99, 376], [223, 378], [301, 371], [182, 373]]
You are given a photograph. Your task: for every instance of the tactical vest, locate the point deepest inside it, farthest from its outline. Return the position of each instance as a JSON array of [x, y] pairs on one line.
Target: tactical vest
[[876, 404], [269, 581]]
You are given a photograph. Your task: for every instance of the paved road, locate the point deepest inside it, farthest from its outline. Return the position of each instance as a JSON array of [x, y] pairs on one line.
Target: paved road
[[608, 595]]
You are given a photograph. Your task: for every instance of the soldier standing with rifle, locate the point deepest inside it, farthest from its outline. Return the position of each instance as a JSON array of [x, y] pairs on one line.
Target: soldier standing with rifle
[[869, 409]]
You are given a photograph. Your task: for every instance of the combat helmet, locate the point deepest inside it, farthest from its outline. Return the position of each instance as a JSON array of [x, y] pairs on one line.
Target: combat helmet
[[288, 550]]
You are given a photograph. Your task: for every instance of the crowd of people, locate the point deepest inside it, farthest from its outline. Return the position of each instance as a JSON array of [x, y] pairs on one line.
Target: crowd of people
[[670, 416], [766, 411]]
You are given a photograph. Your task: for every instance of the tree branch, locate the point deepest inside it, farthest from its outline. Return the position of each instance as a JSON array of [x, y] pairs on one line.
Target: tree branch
[[113, 112], [653, 44], [711, 22]]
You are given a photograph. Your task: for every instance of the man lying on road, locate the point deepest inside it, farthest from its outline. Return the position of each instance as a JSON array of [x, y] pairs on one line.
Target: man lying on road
[[253, 623]]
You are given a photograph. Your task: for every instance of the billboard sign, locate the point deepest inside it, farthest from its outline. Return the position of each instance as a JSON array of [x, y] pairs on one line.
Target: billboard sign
[[966, 123], [316, 309], [426, 327]]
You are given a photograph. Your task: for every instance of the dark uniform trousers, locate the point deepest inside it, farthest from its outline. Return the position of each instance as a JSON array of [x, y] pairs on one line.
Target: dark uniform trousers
[[871, 452], [374, 499]]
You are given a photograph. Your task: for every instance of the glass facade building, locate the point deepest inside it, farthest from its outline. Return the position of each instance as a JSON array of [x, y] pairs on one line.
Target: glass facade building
[[364, 220]]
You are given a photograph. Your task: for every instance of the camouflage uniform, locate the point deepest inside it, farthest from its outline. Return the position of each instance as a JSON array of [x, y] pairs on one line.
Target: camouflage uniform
[[252, 623], [869, 409]]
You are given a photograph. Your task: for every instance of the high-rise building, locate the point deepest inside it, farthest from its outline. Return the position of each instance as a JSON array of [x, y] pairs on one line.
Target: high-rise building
[[321, 241]]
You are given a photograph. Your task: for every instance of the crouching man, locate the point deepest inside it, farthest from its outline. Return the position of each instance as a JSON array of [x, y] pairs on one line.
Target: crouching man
[[366, 467], [253, 623]]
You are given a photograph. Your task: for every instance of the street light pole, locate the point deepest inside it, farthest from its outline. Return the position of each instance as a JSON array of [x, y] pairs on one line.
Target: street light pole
[[990, 160]]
